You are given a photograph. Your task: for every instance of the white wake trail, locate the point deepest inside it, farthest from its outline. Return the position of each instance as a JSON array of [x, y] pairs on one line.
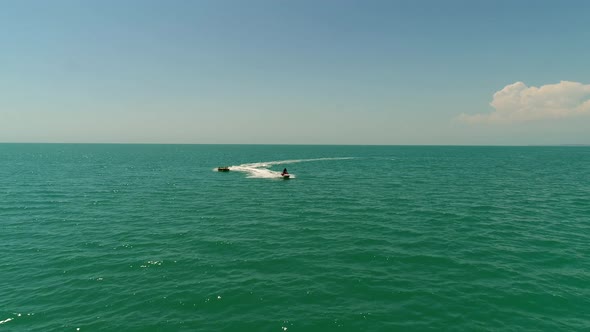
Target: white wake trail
[[260, 169]]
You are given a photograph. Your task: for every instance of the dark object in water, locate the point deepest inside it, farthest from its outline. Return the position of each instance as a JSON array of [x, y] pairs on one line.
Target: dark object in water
[[223, 169]]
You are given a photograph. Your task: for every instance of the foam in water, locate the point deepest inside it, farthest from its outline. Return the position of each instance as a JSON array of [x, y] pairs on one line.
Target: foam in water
[[260, 170]]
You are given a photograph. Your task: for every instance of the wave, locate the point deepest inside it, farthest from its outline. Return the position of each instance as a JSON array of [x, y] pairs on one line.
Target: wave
[[260, 170]]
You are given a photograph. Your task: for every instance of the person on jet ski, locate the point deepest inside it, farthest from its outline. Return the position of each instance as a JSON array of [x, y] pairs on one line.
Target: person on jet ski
[[284, 171]]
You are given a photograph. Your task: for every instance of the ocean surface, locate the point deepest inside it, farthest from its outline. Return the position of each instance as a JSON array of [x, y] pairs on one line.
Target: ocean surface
[[363, 238]]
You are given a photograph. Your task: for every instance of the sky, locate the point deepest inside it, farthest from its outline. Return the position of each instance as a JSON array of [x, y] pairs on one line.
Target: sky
[[455, 72]]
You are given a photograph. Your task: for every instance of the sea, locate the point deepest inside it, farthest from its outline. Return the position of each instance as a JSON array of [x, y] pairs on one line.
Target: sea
[[121, 237]]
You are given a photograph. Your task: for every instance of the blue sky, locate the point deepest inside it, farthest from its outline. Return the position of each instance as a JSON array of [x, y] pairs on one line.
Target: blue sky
[[295, 72]]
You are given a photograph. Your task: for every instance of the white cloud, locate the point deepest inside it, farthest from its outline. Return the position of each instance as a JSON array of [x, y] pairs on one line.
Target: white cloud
[[519, 103]]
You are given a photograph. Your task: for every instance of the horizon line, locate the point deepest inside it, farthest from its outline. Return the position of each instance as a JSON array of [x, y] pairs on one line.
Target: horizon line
[[306, 144]]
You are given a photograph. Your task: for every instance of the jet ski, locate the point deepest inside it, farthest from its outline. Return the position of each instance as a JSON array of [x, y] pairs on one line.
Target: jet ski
[[285, 174], [223, 169]]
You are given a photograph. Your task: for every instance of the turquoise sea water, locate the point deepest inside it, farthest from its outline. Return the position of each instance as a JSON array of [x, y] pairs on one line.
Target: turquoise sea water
[[378, 238]]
